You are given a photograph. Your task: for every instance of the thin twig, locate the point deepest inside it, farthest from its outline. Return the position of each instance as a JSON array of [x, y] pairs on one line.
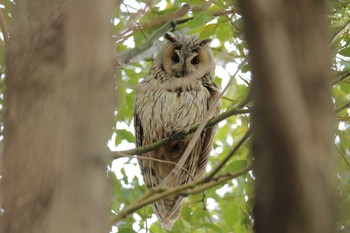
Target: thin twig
[[341, 31], [153, 159], [125, 57], [164, 19], [133, 18], [229, 156], [343, 156], [341, 77], [169, 21], [345, 106]]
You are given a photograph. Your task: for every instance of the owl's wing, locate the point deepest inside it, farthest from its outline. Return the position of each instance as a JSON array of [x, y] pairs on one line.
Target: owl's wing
[[139, 137], [208, 134]]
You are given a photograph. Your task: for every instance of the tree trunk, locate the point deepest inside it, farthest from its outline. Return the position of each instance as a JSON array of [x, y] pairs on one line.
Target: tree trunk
[[292, 120], [59, 113]]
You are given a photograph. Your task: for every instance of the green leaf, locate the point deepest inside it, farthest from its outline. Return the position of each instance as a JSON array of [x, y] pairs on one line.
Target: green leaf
[[245, 68], [208, 30], [126, 229], [186, 213], [208, 225], [236, 165], [124, 134], [219, 4], [125, 177], [200, 20], [230, 214], [345, 52], [198, 215], [193, 2], [224, 31]]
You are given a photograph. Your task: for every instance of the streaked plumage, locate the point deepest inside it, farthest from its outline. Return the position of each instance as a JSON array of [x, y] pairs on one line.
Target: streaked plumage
[[175, 95]]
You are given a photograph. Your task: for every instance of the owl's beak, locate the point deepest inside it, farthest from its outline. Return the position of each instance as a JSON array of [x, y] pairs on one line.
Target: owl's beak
[[184, 71]]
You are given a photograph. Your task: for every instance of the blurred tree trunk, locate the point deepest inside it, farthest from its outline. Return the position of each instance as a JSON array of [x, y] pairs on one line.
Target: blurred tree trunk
[[292, 121], [59, 112]]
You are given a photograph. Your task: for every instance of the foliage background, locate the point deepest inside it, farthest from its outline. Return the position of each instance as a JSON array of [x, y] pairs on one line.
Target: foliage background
[[226, 208]]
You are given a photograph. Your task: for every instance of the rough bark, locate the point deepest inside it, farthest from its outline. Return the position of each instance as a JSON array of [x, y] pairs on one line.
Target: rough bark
[[292, 121], [59, 111]]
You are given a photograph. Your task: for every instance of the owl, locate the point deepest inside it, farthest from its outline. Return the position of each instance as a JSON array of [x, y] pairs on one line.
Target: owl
[[175, 95]]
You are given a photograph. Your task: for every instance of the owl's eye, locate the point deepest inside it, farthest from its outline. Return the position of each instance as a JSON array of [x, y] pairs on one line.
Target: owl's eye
[[175, 58], [195, 60]]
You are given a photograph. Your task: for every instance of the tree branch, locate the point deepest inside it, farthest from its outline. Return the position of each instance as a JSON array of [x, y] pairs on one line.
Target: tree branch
[[160, 192], [169, 21], [166, 18], [125, 57], [229, 156], [178, 136], [156, 160], [341, 31], [342, 154], [208, 182], [345, 106], [341, 77]]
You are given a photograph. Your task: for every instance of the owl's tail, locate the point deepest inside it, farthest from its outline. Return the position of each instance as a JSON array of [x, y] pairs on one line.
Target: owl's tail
[[168, 211]]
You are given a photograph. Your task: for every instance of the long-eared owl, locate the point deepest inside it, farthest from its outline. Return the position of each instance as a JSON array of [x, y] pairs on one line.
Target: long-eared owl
[[175, 95]]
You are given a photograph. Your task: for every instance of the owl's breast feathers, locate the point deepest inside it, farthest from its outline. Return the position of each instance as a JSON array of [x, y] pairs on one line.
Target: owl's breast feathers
[[171, 108]]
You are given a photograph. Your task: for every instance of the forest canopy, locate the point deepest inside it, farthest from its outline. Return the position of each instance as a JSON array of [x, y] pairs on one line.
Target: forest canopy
[[226, 204]]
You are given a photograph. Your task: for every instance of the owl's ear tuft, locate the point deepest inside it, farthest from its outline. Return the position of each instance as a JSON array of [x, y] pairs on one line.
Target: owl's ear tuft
[[204, 42], [170, 37]]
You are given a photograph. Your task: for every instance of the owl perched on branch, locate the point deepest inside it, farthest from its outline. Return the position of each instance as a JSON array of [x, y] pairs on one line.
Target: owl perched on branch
[[176, 94]]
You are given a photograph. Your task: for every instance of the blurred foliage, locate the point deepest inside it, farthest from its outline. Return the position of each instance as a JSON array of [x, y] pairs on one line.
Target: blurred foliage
[[226, 208]]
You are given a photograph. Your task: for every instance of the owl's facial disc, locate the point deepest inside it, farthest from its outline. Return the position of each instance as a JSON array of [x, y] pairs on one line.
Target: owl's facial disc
[[185, 56]]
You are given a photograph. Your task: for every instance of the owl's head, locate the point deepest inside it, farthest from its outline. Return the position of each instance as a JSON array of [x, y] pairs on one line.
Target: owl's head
[[184, 55]]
